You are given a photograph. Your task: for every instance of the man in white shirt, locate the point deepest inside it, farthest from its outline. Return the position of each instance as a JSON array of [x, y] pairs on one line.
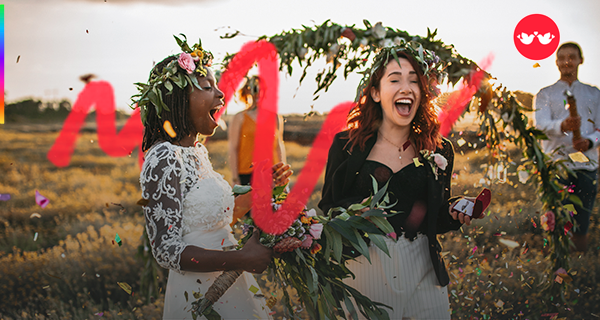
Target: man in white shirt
[[554, 119]]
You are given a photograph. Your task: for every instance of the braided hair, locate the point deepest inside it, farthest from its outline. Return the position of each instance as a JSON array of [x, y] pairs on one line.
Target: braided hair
[[178, 115]]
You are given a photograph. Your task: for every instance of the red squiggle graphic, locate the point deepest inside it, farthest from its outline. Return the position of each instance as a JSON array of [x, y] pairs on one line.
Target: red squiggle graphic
[[459, 99], [265, 55], [101, 95]]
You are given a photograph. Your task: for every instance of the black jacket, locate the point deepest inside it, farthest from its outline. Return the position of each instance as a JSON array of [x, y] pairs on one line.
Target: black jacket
[[340, 175]]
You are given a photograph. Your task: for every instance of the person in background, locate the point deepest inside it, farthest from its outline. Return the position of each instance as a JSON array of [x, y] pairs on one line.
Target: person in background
[[241, 135], [554, 119]]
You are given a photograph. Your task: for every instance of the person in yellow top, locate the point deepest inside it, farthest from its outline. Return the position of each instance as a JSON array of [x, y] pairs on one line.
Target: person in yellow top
[[241, 135]]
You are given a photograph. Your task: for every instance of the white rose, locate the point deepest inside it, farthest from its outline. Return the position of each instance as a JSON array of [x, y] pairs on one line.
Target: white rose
[[440, 161]]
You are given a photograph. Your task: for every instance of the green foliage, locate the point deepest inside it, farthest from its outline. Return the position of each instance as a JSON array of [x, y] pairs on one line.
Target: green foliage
[[334, 43]]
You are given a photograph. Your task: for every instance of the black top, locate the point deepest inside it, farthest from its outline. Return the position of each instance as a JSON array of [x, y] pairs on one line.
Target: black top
[[406, 187], [340, 189]]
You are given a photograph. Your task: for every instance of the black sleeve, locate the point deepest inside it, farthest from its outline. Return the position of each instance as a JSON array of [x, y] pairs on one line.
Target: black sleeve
[[337, 155], [445, 222]]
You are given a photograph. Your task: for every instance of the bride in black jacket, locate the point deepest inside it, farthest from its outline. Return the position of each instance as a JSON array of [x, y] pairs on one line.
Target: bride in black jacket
[[393, 134]]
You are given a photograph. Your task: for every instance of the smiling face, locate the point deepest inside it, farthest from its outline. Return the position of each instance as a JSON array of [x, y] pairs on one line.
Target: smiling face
[[204, 104], [399, 93], [568, 60]]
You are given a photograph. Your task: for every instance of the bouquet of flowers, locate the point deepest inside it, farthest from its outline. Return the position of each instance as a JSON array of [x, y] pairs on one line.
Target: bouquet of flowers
[[310, 258]]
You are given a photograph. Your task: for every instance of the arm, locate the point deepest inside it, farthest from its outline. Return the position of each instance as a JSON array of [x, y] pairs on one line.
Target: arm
[[234, 146], [160, 180], [594, 136], [243, 204], [279, 137], [446, 221], [336, 156], [543, 115]]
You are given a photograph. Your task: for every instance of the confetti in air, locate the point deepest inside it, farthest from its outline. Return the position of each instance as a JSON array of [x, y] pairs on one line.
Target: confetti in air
[[4, 196], [41, 200], [169, 129], [125, 286], [578, 157], [509, 243], [118, 240]]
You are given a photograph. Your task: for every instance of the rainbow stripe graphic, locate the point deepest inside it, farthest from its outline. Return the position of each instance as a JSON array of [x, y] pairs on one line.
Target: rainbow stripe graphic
[[2, 63]]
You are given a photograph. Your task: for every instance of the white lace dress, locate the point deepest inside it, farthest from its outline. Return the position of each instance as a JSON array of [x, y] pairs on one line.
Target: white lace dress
[[191, 204]]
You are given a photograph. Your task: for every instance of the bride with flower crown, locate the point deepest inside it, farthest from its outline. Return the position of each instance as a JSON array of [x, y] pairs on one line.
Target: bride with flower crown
[[189, 206]]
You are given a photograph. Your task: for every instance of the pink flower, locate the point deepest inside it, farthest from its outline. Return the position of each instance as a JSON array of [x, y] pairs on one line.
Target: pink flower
[[315, 230], [440, 161], [186, 62], [307, 243], [547, 221], [311, 213], [41, 200], [392, 235]]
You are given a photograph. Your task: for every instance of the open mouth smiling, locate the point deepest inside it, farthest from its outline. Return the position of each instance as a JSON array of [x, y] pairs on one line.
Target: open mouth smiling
[[214, 111], [404, 106]]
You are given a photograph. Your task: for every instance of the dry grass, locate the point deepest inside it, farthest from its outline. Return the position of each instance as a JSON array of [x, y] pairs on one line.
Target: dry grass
[[71, 270]]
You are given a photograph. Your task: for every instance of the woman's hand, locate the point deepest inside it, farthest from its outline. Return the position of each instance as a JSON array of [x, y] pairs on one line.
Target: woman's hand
[[281, 174], [456, 215], [256, 256]]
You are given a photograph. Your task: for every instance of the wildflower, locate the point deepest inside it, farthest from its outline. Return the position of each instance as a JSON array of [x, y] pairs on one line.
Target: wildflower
[[316, 248], [186, 62], [547, 221], [347, 32], [305, 220], [379, 30], [315, 230], [307, 243], [440, 160], [197, 55], [311, 213]]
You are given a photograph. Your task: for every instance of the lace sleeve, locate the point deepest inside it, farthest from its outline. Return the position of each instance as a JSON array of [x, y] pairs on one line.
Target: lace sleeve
[[161, 185]]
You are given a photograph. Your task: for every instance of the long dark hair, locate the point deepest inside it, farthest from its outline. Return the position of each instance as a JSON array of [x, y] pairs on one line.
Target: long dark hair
[[178, 103], [366, 117]]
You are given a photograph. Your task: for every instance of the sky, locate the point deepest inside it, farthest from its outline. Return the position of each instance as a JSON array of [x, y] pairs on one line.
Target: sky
[[49, 44]]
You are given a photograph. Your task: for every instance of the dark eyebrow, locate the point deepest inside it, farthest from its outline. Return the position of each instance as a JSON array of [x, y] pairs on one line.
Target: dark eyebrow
[[400, 73]]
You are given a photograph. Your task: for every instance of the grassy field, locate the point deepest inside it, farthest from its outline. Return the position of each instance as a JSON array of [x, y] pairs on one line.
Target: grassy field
[[63, 263]]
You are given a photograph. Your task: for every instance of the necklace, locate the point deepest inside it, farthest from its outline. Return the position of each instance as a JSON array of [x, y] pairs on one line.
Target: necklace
[[401, 149]]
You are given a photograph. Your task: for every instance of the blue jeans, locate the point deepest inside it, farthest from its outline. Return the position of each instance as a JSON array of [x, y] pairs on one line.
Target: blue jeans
[[586, 188]]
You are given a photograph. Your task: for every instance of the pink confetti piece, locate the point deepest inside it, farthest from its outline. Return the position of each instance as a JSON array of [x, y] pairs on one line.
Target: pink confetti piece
[[568, 226], [474, 249], [4, 196], [41, 200]]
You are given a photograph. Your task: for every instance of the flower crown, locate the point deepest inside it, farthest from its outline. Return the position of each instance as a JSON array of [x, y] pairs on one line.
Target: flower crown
[[179, 72], [431, 65]]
